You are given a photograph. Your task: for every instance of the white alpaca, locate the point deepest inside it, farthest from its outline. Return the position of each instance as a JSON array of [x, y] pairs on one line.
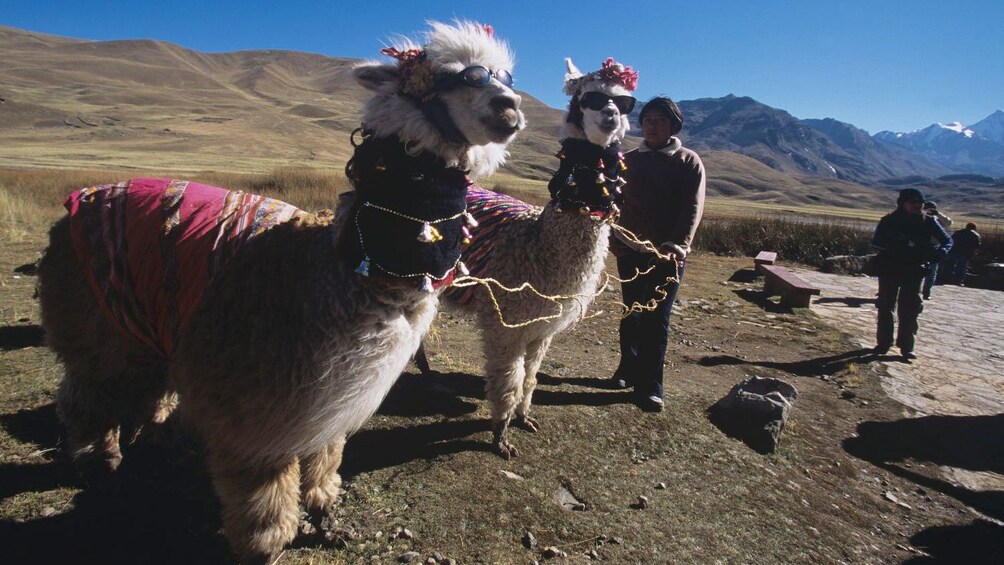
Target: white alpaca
[[560, 249], [301, 333]]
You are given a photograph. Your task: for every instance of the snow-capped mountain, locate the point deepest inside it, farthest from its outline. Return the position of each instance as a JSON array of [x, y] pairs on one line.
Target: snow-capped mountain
[[978, 148], [991, 127]]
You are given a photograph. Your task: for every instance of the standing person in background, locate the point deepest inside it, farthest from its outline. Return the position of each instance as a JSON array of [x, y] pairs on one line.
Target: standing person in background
[[663, 203], [903, 241], [931, 209], [965, 242]]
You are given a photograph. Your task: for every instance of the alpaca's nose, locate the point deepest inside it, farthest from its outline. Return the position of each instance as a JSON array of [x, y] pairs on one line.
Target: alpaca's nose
[[609, 111], [506, 102]]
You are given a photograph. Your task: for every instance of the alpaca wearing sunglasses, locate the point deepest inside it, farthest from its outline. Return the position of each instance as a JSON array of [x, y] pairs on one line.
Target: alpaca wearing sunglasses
[[560, 249], [302, 330]]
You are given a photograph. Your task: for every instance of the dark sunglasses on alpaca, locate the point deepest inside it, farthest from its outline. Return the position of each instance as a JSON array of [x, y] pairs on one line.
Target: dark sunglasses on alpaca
[[477, 77], [598, 100]]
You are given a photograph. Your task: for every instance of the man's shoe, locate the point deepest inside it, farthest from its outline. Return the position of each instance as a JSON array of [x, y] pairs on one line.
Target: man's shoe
[[651, 403], [881, 349], [908, 355], [927, 297]]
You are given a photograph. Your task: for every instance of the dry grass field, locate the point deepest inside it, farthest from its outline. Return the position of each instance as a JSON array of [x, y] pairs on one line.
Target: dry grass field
[[424, 463]]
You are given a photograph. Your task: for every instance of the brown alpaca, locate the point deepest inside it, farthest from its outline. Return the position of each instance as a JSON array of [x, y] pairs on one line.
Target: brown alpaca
[[292, 346]]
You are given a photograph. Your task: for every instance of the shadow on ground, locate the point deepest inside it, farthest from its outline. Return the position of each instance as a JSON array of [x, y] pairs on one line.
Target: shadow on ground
[[964, 442], [19, 337], [978, 542], [827, 365], [159, 508], [851, 301]]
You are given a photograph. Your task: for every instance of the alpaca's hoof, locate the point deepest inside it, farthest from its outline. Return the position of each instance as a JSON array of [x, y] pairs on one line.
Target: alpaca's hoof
[[506, 450], [320, 502], [527, 423]]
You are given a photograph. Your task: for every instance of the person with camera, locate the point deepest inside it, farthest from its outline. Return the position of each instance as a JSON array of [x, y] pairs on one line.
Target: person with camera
[[903, 240]]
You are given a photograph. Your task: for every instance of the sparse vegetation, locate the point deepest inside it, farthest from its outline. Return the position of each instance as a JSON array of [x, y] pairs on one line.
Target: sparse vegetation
[[802, 240]]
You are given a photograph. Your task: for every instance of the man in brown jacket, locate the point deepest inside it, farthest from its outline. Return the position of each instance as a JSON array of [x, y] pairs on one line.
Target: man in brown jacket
[[663, 202]]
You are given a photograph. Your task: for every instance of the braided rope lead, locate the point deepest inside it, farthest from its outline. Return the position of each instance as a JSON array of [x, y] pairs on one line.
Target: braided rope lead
[[651, 305]]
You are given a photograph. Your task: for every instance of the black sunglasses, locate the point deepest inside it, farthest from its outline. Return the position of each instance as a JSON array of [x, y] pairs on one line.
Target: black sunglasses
[[479, 77], [598, 100]]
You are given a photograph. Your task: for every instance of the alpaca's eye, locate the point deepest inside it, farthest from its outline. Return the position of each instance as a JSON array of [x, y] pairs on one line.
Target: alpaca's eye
[[504, 77], [477, 76]]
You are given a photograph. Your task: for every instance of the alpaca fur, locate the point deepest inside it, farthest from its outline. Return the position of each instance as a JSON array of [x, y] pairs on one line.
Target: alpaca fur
[[291, 350], [559, 253]]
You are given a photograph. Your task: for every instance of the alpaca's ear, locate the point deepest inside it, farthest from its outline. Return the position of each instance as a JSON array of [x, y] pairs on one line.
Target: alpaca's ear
[[573, 77], [375, 75]]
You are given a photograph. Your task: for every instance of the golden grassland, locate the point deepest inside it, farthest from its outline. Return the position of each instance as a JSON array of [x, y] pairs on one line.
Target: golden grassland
[[30, 200]]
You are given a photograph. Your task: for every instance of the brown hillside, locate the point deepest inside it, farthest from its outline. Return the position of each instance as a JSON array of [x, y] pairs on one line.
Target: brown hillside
[[151, 105]]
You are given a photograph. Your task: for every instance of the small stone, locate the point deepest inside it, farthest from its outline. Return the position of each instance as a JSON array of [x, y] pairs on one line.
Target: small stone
[[550, 552], [448, 561], [592, 554], [405, 534], [511, 475], [529, 541], [848, 394], [48, 511], [409, 557], [616, 540], [307, 529], [437, 556], [642, 503], [431, 561], [660, 486]]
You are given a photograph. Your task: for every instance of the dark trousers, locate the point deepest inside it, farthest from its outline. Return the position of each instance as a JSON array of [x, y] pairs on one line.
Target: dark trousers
[[954, 271], [931, 278], [899, 292], [644, 335]]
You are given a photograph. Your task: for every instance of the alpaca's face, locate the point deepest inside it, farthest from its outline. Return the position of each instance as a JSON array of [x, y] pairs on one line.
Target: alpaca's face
[[485, 114], [602, 121]]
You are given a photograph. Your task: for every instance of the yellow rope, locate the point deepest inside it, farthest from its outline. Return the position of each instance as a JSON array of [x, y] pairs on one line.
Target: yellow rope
[[651, 305]]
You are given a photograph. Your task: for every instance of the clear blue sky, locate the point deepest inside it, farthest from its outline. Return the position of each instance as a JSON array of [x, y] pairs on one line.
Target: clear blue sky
[[879, 64]]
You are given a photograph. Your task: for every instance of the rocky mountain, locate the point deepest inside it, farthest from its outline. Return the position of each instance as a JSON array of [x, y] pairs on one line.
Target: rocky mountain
[[974, 149], [158, 108], [827, 147]]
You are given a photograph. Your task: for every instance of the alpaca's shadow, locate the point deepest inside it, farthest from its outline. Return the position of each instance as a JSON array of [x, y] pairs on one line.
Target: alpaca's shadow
[[589, 382], [434, 394], [372, 449], [850, 301], [159, 508], [809, 367], [19, 337], [964, 442]]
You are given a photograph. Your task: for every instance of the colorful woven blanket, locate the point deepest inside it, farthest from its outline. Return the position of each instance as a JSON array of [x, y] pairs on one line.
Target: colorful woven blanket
[[150, 248], [491, 210]]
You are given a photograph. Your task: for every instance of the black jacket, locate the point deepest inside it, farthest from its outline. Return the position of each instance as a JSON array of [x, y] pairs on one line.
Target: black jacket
[[904, 242]]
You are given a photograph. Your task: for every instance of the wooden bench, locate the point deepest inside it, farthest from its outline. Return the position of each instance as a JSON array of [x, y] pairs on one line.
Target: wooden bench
[[794, 291], [764, 258]]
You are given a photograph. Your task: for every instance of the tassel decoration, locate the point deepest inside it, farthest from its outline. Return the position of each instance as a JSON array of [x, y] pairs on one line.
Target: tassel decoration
[[601, 178], [429, 233], [463, 269], [469, 219], [584, 210], [604, 191], [623, 166], [364, 267], [427, 284], [466, 232]]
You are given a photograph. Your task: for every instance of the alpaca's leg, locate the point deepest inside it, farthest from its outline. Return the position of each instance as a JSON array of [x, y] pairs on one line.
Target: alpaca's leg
[[150, 402], [535, 353], [504, 389], [319, 481], [259, 502], [89, 412]]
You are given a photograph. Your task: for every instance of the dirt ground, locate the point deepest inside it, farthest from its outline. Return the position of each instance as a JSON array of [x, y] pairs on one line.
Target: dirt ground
[[854, 480]]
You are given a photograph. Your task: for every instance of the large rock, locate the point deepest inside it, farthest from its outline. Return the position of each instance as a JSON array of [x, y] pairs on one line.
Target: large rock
[[847, 264], [755, 411]]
